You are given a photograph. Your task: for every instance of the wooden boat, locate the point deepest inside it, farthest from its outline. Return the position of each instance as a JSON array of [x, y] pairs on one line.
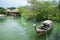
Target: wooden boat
[[44, 27]]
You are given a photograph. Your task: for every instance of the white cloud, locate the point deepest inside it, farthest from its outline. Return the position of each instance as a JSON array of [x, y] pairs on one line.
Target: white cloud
[[15, 3]]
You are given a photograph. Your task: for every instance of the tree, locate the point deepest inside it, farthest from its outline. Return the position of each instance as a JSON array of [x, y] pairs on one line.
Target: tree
[[59, 5], [2, 10], [11, 8], [41, 10]]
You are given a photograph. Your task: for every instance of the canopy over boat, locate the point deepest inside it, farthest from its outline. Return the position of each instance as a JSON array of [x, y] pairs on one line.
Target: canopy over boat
[[47, 22]]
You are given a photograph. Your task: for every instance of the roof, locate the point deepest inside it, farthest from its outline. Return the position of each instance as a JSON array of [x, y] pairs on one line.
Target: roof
[[8, 10]]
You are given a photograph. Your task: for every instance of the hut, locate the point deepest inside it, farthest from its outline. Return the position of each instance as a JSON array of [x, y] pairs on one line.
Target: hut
[[13, 12]]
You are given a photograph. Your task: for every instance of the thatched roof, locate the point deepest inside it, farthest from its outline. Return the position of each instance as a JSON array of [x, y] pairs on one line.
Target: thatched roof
[[8, 10]]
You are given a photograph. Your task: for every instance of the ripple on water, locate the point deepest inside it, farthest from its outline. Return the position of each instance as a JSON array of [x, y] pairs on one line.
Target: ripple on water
[[19, 29]]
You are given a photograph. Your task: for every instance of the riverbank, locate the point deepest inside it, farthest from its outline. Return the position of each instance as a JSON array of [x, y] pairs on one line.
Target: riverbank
[[2, 15]]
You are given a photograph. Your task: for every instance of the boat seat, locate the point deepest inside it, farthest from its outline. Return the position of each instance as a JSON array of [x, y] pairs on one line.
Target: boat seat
[[44, 28]]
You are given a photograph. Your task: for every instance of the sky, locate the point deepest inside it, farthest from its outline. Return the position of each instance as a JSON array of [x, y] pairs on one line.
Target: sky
[[12, 3]]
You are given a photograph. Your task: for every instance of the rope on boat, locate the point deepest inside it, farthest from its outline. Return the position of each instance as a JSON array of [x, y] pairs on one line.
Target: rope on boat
[[46, 36]]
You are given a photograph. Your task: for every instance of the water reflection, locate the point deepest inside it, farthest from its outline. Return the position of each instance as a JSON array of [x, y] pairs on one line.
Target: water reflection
[[16, 28], [2, 19]]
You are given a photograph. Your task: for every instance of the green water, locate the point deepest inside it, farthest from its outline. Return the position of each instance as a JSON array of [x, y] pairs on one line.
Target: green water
[[16, 28]]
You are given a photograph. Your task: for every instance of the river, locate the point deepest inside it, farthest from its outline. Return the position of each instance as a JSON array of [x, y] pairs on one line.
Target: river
[[17, 28]]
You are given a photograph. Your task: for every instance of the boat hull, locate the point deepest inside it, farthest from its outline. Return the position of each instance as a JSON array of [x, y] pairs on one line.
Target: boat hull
[[41, 31]]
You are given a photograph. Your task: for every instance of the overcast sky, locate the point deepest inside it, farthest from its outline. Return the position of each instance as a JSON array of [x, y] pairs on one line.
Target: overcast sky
[[12, 3]]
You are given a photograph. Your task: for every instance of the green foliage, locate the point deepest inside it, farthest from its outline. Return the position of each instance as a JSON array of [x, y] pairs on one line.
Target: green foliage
[[2, 10], [59, 5], [22, 10], [41, 10], [11, 8]]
